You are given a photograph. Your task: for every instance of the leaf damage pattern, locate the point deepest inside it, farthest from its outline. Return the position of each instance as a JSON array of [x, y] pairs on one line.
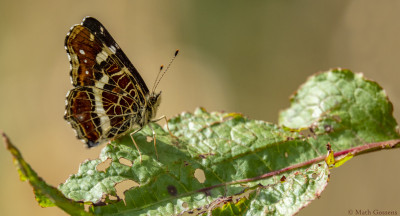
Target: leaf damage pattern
[[242, 160]]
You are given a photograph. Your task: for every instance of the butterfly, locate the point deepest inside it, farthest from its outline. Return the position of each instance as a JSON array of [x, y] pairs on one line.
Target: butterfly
[[109, 97]]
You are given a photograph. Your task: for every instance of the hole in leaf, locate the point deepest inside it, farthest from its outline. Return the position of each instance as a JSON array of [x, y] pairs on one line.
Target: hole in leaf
[[172, 190], [149, 138], [286, 155], [111, 197], [107, 199], [314, 175], [185, 205], [102, 201], [125, 161], [101, 167], [123, 186], [86, 206], [199, 175]]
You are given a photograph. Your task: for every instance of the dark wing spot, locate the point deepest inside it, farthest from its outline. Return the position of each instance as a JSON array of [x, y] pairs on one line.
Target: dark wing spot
[[108, 87], [98, 75]]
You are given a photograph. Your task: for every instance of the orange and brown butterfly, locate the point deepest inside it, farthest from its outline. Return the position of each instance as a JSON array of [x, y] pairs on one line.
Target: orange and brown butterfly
[[109, 98]]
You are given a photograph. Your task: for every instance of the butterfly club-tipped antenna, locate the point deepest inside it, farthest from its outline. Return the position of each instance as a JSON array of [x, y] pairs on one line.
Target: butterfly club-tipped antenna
[[158, 78]]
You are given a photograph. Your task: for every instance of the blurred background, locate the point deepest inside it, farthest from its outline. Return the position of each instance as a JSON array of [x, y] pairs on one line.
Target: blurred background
[[246, 57]]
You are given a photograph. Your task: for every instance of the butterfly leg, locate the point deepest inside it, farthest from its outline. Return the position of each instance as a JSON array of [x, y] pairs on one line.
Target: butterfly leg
[[134, 142], [154, 139], [166, 121]]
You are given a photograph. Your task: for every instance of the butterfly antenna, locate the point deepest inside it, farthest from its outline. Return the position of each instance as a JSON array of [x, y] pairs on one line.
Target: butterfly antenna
[[155, 81], [163, 73]]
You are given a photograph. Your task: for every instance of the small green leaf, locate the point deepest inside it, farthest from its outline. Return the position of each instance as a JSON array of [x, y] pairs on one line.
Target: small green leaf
[[343, 160], [340, 100], [45, 194]]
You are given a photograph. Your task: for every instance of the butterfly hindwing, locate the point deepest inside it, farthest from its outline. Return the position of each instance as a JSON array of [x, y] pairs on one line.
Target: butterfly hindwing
[[98, 119]]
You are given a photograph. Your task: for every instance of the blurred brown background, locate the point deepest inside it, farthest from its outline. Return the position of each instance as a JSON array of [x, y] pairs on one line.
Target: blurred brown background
[[243, 57]]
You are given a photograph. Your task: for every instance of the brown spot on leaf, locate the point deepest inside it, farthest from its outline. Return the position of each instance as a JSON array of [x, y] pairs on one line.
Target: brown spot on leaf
[[203, 156], [172, 190], [207, 192], [328, 128]]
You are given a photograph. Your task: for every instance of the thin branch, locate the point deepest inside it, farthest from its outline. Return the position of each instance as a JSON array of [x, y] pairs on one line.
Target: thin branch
[[358, 150]]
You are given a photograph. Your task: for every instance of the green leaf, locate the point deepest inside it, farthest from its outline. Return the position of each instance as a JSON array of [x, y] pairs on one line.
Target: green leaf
[[236, 153], [227, 149], [342, 108], [227, 164], [164, 191], [341, 100]]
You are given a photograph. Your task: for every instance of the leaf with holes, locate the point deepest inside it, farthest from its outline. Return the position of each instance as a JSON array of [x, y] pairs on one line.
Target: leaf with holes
[[225, 163], [233, 154]]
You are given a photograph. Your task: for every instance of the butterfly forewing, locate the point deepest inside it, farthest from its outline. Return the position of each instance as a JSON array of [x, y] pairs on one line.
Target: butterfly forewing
[[109, 92]]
